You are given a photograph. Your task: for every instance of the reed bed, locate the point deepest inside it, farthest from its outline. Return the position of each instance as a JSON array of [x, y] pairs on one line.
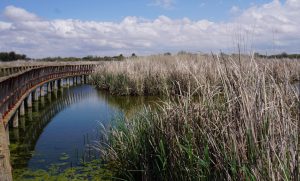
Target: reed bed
[[164, 75], [226, 118]]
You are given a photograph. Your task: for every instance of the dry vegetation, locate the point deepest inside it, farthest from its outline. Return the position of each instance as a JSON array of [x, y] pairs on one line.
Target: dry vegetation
[[157, 75], [232, 118]]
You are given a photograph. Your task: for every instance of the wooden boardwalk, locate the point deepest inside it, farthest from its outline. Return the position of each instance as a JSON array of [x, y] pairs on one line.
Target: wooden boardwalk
[[20, 89]]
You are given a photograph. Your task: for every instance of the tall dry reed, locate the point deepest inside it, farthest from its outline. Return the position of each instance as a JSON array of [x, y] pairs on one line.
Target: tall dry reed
[[155, 75], [231, 118]]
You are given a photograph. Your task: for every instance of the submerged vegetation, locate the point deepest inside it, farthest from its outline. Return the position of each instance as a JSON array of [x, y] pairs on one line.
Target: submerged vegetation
[[227, 117], [93, 170]]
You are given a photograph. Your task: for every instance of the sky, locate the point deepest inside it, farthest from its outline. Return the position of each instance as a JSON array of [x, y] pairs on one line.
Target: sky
[[100, 27]]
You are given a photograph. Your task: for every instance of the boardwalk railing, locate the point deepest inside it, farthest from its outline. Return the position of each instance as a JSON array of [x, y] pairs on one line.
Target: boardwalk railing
[[6, 71], [14, 87]]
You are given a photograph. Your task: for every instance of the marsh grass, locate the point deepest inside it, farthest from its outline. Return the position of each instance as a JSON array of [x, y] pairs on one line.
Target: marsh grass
[[227, 118], [173, 75]]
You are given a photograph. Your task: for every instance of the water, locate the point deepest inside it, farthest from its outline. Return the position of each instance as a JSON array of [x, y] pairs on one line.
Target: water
[[60, 125]]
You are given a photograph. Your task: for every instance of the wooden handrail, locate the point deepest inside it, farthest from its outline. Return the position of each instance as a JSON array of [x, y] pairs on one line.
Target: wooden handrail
[[14, 87]]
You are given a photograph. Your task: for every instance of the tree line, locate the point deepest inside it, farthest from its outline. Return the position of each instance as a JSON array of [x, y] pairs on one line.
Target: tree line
[[88, 58], [11, 56]]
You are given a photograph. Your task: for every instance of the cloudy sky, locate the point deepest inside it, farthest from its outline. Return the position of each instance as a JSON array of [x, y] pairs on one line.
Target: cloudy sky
[[100, 27]]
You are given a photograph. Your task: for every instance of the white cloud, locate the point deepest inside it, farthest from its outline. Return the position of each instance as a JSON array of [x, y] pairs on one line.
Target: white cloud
[[5, 26], [269, 27], [19, 14]]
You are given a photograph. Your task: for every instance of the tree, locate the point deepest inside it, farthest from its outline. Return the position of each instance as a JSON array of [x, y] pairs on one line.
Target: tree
[[12, 56], [283, 55], [120, 57]]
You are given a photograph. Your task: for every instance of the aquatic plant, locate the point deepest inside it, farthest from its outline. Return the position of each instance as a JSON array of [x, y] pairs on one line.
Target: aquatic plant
[[93, 170]]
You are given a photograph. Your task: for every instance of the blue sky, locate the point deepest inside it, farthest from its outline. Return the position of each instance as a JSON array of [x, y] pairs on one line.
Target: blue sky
[[116, 10], [97, 27]]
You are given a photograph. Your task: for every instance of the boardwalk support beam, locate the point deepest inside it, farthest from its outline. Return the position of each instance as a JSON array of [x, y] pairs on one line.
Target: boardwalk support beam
[[49, 87], [29, 100], [22, 109], [36, 94], [16, 120]]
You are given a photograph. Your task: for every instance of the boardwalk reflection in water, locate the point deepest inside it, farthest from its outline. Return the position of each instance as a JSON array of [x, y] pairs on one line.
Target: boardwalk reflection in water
[[24, 138], [57, 127]]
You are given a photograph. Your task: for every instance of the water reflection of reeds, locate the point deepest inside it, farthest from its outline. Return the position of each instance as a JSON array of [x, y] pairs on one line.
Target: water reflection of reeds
[[130, 105]]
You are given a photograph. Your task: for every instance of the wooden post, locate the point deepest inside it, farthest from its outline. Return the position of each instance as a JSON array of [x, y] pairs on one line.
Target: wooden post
[[42, 93], [36, 95], [61, 83], [74, 80], [82, 79], [29, 100], [87, 79], [9, 71], [16, 120], [22, 109], [55, 85], [2, 72], [78, 80], [71, 81], [5, 167], [49, 87], [67, 82]]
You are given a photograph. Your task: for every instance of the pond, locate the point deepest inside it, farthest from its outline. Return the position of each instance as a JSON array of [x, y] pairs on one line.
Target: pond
[[60, 126]]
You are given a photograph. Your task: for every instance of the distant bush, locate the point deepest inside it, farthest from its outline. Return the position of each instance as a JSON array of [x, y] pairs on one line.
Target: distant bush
[[282, 55]]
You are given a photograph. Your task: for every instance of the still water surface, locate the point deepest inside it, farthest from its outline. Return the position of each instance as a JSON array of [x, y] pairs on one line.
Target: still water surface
[[60, 125]]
